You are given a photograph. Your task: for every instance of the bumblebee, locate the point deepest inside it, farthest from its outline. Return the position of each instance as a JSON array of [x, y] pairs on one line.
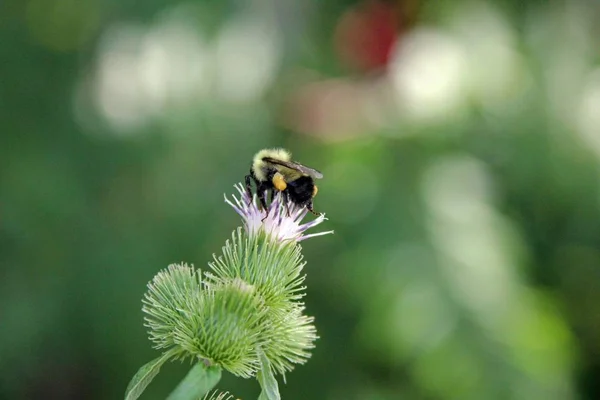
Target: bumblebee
[[273, 170]]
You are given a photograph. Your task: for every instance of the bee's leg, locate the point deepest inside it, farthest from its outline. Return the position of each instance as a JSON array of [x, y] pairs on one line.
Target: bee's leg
[[286, 201], [262, 198], [309, 206], [249, 185], [272, 195]]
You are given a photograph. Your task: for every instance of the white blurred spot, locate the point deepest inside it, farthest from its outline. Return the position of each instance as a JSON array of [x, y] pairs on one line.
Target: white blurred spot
[[561, 38], [468, 236], [141, 71], [588, 115], [247, 57], [437, 71], [496, 70], [455, 188], [172, 63], [118, 92], [429, 70]]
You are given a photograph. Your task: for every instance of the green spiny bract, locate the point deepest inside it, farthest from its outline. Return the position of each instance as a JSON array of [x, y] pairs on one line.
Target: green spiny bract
[[274, 269], [228, 328], [271, 266], [216, 395], [173, 296], [219, 323], [289, 339]]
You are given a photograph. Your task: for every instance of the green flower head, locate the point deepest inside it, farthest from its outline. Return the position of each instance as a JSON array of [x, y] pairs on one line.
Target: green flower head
[[221, 324]]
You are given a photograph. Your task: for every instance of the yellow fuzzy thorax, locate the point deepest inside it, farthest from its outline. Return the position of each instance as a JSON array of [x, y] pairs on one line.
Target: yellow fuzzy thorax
[[258, 163]]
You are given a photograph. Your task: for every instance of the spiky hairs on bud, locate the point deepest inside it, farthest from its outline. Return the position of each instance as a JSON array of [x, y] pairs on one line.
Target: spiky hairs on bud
[[173, 296], [228, 328], [290, 338], [221, 323], [216, 395], [274, 269], [271, 266]]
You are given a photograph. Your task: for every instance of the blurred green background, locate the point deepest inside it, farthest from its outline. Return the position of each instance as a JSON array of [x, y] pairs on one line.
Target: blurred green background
[[460, 143]]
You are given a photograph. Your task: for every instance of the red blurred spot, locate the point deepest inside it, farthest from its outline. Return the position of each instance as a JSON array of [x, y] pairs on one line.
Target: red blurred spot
[[366, 35]]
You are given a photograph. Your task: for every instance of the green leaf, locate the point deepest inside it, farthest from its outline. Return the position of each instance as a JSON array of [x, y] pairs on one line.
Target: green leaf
[[266, 379], [144, 376], [196, 383]]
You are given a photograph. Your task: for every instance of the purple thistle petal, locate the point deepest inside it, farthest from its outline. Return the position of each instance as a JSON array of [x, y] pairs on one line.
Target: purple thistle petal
[[304, 237], [236, 208], [277, 223]]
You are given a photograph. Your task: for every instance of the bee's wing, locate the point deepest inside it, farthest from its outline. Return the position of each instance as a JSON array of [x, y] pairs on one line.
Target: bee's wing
[[296, 166]]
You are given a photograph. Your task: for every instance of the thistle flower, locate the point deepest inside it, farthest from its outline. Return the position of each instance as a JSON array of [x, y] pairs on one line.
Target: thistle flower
[[267, 256], [245, 315], [283, 220]]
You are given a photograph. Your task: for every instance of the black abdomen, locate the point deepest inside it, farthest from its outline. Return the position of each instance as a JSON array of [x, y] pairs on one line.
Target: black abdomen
[[300, 191]]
